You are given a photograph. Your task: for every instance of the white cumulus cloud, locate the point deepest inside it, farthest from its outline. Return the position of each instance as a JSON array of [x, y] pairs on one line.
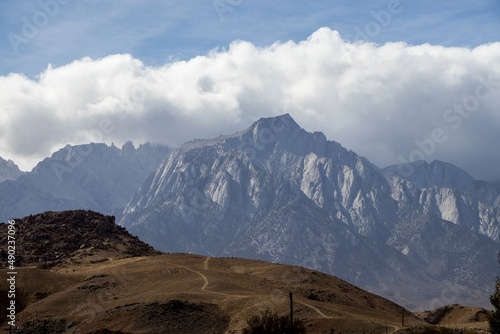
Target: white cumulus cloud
[[390, 102]]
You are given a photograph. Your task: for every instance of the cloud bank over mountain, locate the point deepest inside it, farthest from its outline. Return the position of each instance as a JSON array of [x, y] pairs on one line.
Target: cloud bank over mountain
[[391, 103]]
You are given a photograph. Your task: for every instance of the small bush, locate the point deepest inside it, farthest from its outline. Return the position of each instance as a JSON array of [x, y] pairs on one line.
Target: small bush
[[271, 323], [494, 317]]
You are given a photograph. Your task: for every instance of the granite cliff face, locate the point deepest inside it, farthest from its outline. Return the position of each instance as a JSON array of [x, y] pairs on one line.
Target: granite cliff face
[[444, 190], [276, 192]]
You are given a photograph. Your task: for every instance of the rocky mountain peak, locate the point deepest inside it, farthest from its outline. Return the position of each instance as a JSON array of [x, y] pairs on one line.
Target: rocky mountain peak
[[277, 124], [286, 131], [9, 170], [267, 135], [128, 148]]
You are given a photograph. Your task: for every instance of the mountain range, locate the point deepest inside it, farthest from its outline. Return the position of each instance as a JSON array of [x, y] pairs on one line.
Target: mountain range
[[421, 234], [279, 193], [91, 176]]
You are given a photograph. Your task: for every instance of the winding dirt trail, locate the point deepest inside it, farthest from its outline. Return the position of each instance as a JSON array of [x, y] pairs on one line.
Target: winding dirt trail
[[317, 310], [206, 283], [205, 279], [205, 263]]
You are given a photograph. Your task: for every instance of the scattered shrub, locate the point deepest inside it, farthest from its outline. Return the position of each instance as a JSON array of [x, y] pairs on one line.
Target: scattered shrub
[[271, 323]]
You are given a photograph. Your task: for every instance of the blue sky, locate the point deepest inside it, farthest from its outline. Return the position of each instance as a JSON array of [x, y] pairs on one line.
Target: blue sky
[[380, 77], [159, 31]]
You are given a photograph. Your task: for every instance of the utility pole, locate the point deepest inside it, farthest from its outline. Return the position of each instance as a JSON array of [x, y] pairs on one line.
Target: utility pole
[[291, 312]]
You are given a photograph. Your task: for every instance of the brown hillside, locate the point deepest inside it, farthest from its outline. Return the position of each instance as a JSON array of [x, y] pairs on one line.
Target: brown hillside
[[179, 293]]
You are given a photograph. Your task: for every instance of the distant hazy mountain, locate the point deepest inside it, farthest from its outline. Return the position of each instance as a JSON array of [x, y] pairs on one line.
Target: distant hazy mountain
[[92, 176], [276, 192], [8, 170]]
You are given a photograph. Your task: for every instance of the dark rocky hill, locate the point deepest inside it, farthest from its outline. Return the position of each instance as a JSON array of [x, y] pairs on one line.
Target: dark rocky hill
[[71, 237]]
